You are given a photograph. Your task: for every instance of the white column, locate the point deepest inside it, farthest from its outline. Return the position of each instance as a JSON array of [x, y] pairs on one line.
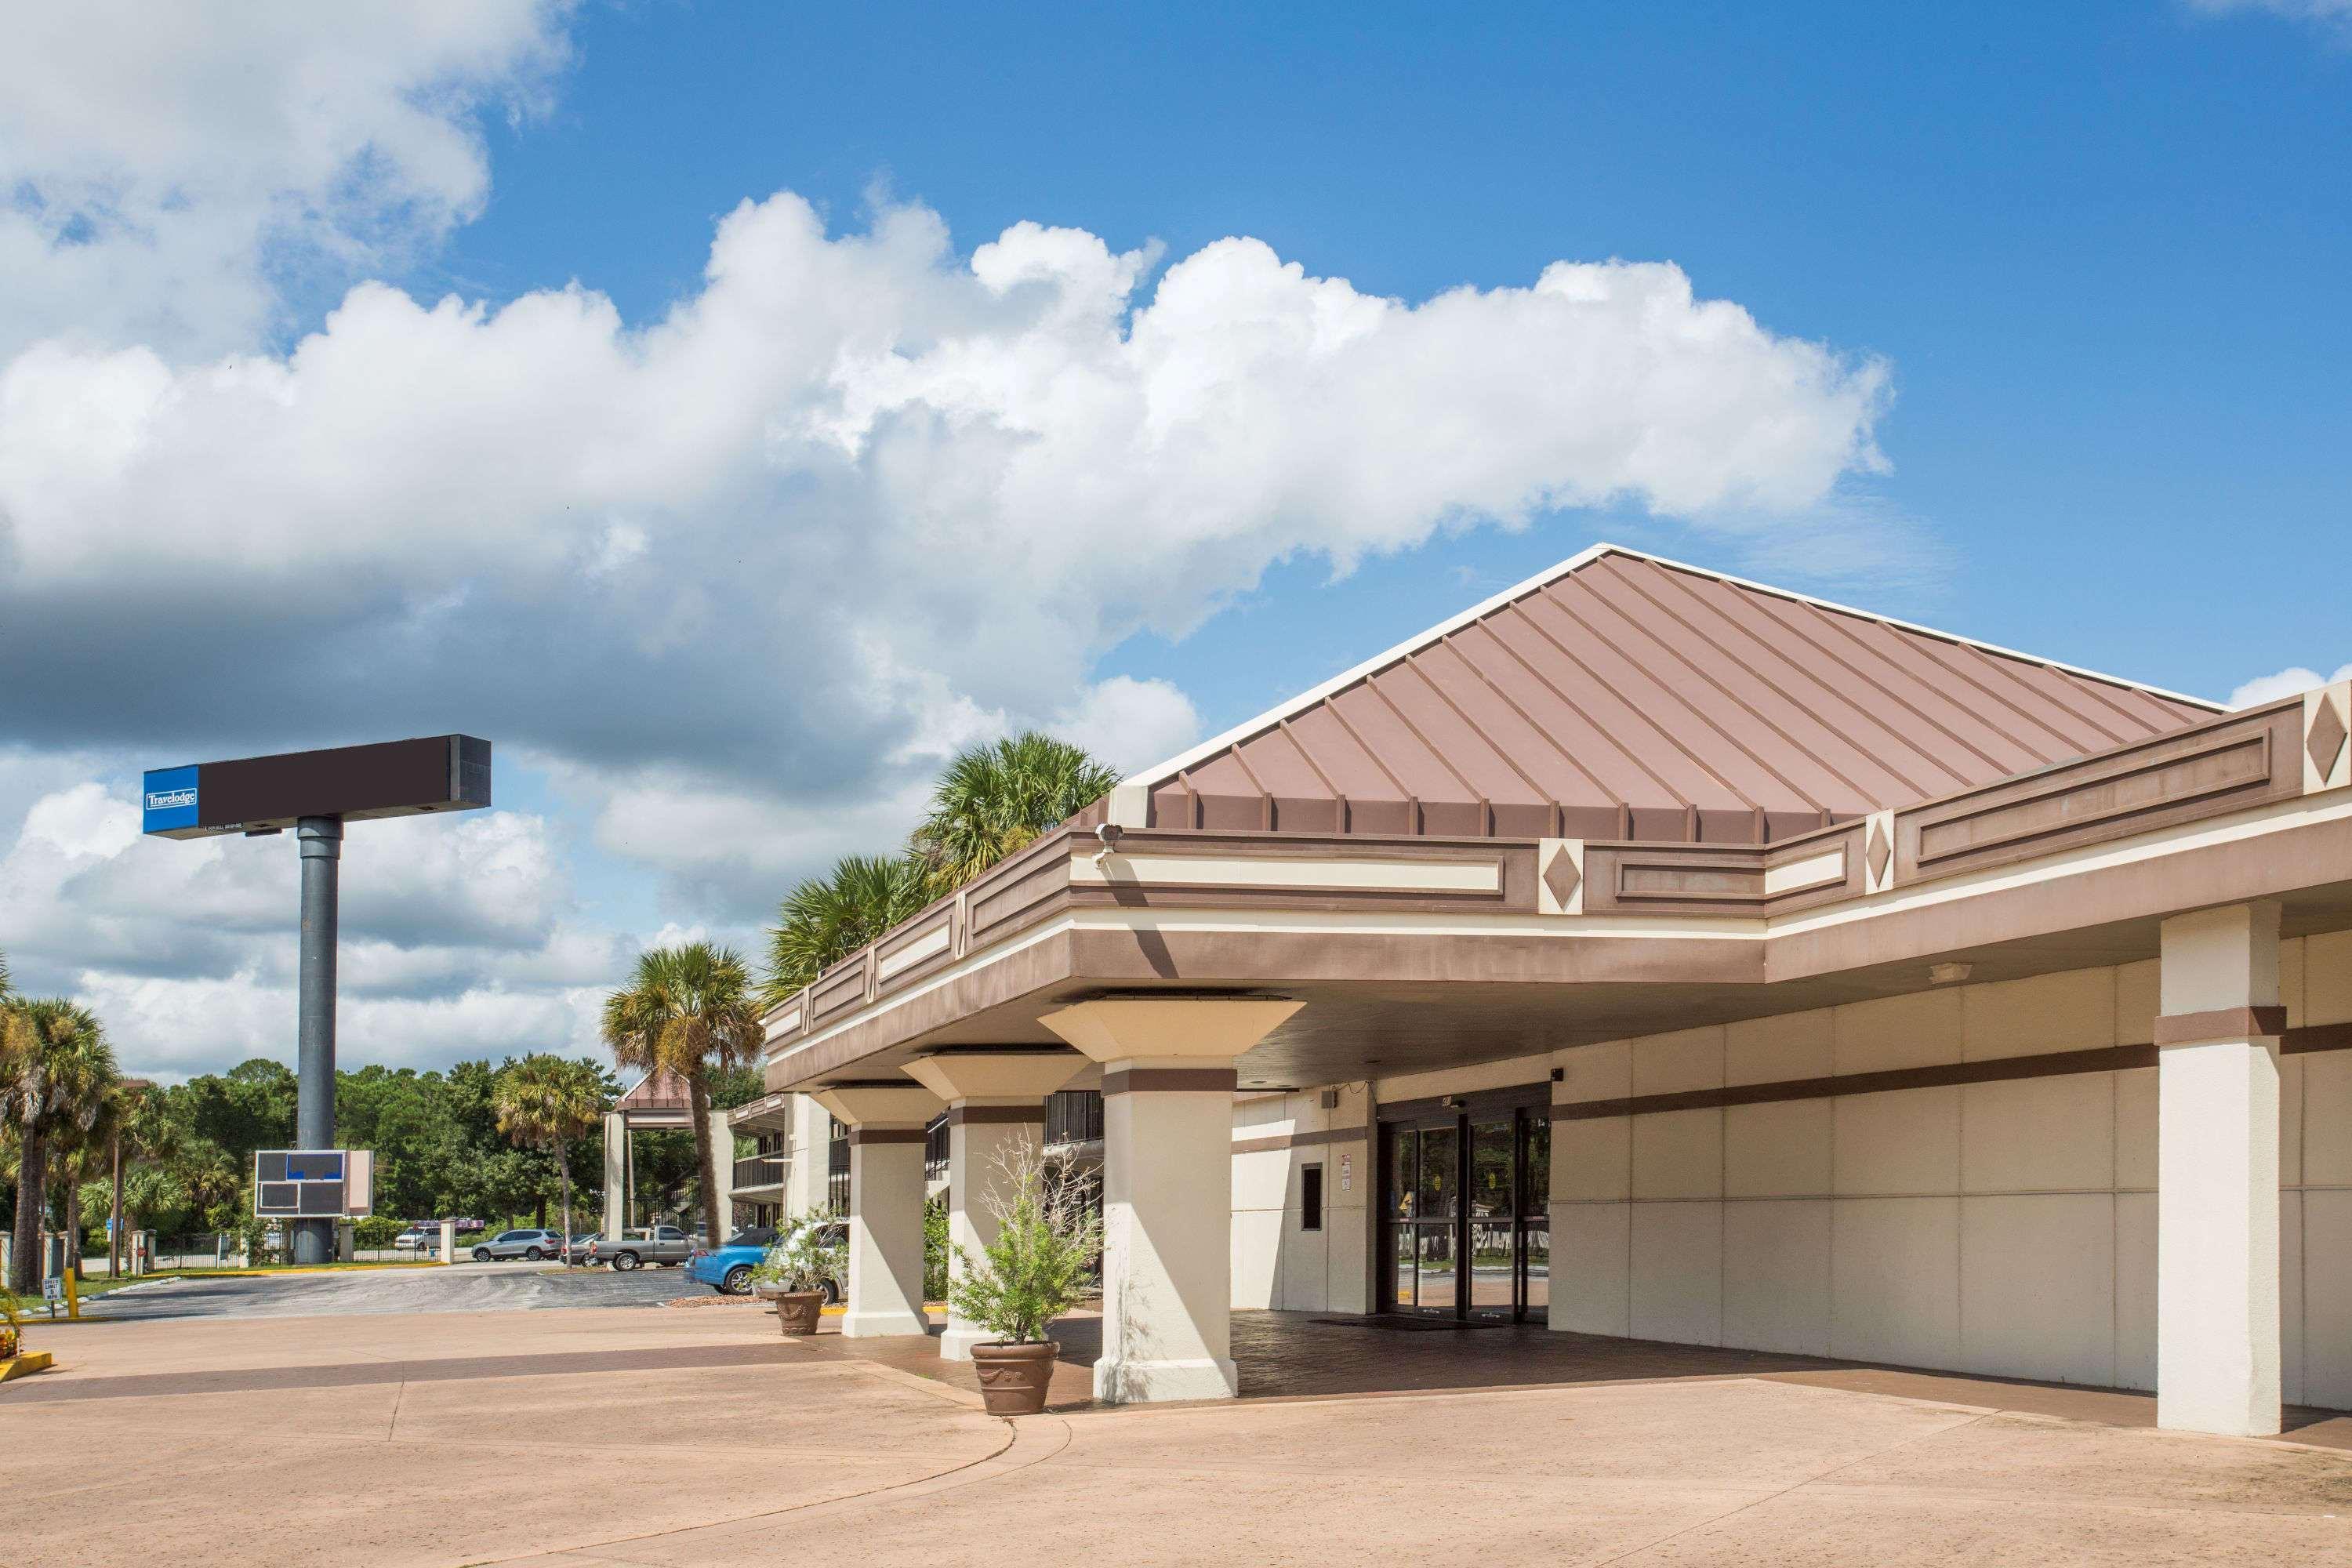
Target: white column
[[1168, 1185], [616, 1146], [996, 1112], [885, 1204], [722, 1155], [2217, 1243]]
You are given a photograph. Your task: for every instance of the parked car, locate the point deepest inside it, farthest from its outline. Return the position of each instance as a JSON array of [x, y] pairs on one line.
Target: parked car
[[728, 1269], [418, 1237], [663, 1244], [533, 1245], [575, 1252]]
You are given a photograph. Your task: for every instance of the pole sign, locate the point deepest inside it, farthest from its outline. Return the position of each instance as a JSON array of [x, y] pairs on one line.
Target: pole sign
[[267, 794]]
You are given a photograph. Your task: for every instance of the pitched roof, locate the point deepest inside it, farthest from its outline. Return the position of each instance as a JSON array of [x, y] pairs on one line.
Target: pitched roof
[[1623, 695], [661, 1089]]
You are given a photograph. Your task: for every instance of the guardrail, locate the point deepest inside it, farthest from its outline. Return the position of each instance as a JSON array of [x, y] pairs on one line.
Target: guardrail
[[760, 1171]]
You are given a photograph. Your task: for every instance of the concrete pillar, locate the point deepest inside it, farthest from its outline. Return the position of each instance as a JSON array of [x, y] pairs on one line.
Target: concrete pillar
[[616, 1157], [2217, 1229], [1168, 1185], [722, 1155], [448, 1241], [996, 1114], [885, 1204]]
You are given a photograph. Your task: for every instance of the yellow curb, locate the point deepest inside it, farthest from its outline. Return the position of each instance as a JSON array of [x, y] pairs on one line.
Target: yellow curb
[[24, 1365]]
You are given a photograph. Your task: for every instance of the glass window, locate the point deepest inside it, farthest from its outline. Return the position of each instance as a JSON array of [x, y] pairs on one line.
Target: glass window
[[1436, 1267], [1402, 1167], [1538, 1245], [1438, 1194], [1491, 1267], [1490, 1168], [1404, 1254], [1537, 1187]]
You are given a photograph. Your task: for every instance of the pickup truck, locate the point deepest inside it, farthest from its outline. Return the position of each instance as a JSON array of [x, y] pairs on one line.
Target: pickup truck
[[663, 1244]]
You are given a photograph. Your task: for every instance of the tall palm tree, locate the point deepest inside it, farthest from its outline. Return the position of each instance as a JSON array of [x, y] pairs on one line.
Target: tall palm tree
[[58, 1069], [826, 919], [688, 1010], [546, 1102], [993, 800]]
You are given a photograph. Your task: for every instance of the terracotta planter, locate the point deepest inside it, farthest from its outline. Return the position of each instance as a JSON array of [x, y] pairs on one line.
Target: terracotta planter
[[1013, 1377], [796, 1311]]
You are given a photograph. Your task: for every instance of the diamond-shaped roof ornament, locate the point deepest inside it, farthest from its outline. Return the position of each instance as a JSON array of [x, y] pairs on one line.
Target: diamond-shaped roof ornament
[[1881, 852], [1562, 876], [2326, 740]]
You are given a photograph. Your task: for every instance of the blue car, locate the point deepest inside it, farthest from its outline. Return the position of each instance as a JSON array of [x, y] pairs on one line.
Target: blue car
[[728, 1269]]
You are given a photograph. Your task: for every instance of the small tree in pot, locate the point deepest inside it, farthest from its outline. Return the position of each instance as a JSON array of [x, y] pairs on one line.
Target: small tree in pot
[[1040, 1265], [808, 1254]]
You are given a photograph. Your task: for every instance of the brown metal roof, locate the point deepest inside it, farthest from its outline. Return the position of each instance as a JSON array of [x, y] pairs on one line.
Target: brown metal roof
[[1624, 696]]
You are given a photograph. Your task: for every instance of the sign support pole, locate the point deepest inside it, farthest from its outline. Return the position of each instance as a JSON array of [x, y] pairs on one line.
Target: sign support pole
[[321, 843]]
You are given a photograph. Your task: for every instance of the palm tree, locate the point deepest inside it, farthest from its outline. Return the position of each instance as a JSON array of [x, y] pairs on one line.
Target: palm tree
[[994, 800], [546, 1102], [826, 919], [688, 1010], [57, 1071]]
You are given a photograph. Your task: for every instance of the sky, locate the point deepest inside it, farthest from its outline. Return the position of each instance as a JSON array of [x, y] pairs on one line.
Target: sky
[[730, 410]]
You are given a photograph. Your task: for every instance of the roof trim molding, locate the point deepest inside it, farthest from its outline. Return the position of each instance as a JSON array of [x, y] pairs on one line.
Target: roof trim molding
[[1145, 778]]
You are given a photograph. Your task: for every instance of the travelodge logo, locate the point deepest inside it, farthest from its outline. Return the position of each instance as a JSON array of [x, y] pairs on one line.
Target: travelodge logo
[[169, 798]]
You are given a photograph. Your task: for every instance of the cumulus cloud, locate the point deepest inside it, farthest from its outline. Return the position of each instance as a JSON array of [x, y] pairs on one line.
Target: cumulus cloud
[[858, 499], [737, 578], [2286, 683], [443, 922], [165, 170]]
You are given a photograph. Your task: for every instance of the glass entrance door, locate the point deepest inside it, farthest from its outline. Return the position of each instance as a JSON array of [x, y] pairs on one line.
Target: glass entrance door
[[1465, 1231]]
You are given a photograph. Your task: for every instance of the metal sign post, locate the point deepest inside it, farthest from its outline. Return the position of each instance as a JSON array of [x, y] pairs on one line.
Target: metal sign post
[[316, 792]]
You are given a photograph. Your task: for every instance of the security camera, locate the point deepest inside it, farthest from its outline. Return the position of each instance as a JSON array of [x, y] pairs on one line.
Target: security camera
[[1107, 834]]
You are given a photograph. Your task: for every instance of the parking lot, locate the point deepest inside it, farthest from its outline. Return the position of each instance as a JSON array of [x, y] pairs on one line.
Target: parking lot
[[455, 1287]]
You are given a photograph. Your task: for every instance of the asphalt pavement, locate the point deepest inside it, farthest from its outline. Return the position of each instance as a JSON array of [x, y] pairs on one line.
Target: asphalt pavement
[[456, 1288]]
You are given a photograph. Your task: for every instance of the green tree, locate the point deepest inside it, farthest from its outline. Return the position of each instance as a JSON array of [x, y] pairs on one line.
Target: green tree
[[688, 1010], [58, 1070], [994, 800], [548, 1102], [826, 919]]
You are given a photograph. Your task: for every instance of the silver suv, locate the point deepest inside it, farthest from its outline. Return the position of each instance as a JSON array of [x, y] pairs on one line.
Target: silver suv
[[533, 1245]]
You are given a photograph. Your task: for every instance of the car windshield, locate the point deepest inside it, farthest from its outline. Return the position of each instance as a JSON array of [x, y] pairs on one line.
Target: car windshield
[[753, 1235]]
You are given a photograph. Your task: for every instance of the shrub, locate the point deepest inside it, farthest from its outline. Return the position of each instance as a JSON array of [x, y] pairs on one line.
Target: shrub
[[808, 1252], [935, 1247], [1042, 1262]]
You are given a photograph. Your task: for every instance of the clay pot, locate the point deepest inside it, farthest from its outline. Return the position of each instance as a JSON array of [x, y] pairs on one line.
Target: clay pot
[[796, 1311], [1013, 1378]]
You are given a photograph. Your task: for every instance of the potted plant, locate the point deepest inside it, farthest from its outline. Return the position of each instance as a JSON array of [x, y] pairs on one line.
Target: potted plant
[[807, 1254], [12, 1326], [1040, 1265]]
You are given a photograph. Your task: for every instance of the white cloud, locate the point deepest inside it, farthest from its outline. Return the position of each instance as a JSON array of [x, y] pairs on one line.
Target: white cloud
[[858, 499], [2286, 683], [736, 579], [165, 169]]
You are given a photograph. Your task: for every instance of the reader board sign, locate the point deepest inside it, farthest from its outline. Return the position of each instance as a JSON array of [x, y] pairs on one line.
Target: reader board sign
[[250, 794], [313, 1183]]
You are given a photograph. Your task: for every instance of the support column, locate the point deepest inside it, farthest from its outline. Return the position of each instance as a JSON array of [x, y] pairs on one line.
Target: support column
[[2217, 1228], [722, 1158], [616, 1158], [321, 840], [885, 1204], [1168, 1185], [996, 1114]]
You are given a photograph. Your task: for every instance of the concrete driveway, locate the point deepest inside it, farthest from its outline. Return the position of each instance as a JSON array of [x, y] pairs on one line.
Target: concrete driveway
[[700, 1437]]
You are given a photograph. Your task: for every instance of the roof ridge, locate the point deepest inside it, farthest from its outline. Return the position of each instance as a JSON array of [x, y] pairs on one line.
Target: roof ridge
[[1291, 707]]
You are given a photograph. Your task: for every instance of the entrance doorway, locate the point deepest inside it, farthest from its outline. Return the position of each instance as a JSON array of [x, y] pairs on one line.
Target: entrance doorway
[[1465, 1230]]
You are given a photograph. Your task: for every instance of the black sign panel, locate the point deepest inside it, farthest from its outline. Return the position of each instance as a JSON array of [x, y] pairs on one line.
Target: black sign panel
[[390, 778]]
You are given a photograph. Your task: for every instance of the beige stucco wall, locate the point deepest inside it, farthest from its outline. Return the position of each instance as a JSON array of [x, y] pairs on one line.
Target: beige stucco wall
[[1276, 1262], [1999, 1227]]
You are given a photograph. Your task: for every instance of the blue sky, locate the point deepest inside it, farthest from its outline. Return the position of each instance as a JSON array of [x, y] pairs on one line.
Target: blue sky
[[2037, 328]]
